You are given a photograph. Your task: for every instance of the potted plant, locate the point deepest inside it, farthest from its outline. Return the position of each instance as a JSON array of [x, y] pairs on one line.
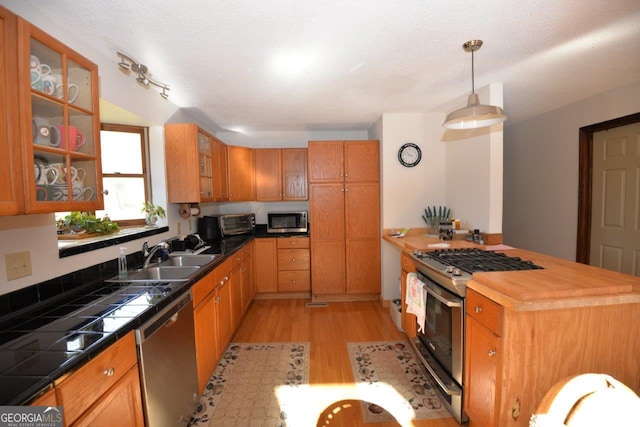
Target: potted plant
[[83, 222], [152, 213]]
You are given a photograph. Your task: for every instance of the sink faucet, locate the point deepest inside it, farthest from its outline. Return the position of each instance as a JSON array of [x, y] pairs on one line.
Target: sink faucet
[[149, 253]]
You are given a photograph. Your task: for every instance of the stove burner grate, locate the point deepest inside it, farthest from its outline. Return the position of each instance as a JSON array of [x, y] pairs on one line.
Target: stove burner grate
[[477, 260]]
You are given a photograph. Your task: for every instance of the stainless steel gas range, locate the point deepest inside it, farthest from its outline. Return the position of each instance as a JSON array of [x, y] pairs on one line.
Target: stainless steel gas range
[[440, 343]]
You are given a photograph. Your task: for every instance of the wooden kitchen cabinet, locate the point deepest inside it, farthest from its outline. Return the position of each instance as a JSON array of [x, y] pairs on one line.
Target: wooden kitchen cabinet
[[235, 283], [344, 204], [220, 170], [409, 321], [59, 125], [266, 265], [515, 355], [350, 161], [241, 173], [246, 270], [122, 402], [108, 384], [483, 353], [204, 319], [11, 188], [189, 164], [281, 174], [294, 264], [223, 298]]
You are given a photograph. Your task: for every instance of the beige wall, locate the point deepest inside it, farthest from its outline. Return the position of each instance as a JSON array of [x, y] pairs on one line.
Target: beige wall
[[541, 171]]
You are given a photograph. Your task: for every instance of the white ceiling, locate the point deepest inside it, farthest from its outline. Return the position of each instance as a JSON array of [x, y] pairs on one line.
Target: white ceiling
[[358, 59]]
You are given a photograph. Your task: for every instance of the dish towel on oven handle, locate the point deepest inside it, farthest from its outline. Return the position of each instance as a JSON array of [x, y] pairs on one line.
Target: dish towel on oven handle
[[415, 299]]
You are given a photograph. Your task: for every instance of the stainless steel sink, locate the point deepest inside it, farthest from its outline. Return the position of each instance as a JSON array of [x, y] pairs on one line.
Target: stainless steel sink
[[168, 273], [189, 260]]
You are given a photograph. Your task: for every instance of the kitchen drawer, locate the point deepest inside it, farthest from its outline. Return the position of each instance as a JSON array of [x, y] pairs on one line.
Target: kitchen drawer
[[294, 281], [293, 242], [293, 259], [202, 288], [485, 311], [223, 271], [85, 386]]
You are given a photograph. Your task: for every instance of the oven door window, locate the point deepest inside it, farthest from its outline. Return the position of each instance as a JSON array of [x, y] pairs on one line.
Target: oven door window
[[438, 336]]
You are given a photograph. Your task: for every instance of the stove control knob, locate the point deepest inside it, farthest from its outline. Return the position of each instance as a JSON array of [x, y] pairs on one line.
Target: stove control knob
[[457, 272], [449, 269]]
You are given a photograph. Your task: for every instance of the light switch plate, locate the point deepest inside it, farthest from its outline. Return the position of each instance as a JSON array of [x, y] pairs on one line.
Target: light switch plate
[[18, 265]]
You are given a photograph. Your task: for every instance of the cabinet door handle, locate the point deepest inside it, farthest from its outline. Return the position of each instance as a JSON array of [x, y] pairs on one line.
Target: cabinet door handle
[[109, 372], [492, 353], [293, 260], [477, 309]]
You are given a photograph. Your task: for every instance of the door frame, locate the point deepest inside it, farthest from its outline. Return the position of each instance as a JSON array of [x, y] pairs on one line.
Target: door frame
[[585, 181]]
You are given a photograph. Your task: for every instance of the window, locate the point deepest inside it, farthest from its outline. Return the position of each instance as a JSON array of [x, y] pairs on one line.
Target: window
[[124, 173]]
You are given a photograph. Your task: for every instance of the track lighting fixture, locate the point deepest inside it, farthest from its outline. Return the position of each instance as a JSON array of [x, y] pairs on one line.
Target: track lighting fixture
[[474, 115], [141, 70]]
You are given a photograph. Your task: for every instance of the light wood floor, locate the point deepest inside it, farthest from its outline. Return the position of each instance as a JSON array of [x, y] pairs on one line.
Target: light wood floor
[[328, 329]]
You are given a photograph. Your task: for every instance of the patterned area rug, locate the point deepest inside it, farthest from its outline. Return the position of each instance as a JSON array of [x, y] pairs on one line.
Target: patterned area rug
[[394, 363], [247, 397]]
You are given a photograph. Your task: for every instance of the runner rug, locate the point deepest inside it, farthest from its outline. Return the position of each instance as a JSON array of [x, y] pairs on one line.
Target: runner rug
[[248, 396], [379, 365]]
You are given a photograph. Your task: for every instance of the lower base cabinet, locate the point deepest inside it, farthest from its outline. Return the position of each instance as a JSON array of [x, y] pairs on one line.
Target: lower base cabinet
[[514, 357], [266, 265], [122, 403], [204, 319], [105, 389], [409, 321]]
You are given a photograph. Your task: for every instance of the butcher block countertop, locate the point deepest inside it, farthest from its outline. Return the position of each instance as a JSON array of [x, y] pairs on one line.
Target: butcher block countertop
[[561, 284]]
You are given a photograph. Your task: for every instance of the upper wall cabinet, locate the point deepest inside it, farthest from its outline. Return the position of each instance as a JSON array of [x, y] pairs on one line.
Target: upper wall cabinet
[[59, 125], [189, 163], [11, 197], [220, 170], [281, 174], [335, 161], [49, 105], [241, 162]]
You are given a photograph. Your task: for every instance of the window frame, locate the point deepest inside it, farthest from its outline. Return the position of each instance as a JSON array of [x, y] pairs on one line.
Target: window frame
[[144, 149]]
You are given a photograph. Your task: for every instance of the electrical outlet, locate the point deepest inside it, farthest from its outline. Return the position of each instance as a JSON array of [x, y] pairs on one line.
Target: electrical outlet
[[18, 265]]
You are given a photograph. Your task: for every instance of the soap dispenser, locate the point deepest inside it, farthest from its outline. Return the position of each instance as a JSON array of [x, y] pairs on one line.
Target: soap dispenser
[[122, 264]]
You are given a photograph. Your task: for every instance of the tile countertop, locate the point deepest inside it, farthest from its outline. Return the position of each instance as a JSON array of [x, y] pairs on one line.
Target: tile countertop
[[54, 338], [561, 284]]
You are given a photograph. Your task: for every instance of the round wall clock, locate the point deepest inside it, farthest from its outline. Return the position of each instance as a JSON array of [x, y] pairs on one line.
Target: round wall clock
[[409, 155]]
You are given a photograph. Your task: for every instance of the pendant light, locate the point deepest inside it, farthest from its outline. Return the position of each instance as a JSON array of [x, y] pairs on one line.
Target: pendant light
[[474, 115]]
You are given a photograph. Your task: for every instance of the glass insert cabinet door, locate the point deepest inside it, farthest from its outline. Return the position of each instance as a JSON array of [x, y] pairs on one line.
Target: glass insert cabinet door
[[205, 167], [60, 122]]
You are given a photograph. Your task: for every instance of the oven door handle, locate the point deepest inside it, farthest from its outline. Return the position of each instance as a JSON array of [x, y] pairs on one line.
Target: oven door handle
[[448, 303]]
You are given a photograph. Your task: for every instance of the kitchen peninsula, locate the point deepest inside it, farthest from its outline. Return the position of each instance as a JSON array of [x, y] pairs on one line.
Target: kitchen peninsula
[[527, 330]]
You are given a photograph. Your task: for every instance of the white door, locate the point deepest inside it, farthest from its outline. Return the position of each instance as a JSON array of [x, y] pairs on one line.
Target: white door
[[615, 222]]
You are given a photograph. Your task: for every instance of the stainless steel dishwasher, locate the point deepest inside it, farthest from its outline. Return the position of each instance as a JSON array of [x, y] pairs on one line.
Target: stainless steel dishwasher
[[166, 348]]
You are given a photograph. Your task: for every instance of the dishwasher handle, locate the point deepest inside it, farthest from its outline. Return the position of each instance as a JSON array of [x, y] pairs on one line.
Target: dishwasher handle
[[166, 317]]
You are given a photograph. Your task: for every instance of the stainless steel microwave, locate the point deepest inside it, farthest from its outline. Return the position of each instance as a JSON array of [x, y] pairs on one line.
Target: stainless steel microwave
[[287, 222]]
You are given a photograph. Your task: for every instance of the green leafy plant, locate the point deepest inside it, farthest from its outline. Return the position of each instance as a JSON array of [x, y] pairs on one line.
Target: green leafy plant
[[150, 209], [82, 221]]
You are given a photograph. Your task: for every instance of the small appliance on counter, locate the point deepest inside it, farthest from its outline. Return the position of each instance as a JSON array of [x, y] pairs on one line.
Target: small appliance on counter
[[219, 226], [287, 222]]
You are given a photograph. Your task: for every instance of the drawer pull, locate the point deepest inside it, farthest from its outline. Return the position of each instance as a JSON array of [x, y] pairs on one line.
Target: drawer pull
[[492, 353], [109, 372], [293, 260], [477, 309], [293, 281]]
